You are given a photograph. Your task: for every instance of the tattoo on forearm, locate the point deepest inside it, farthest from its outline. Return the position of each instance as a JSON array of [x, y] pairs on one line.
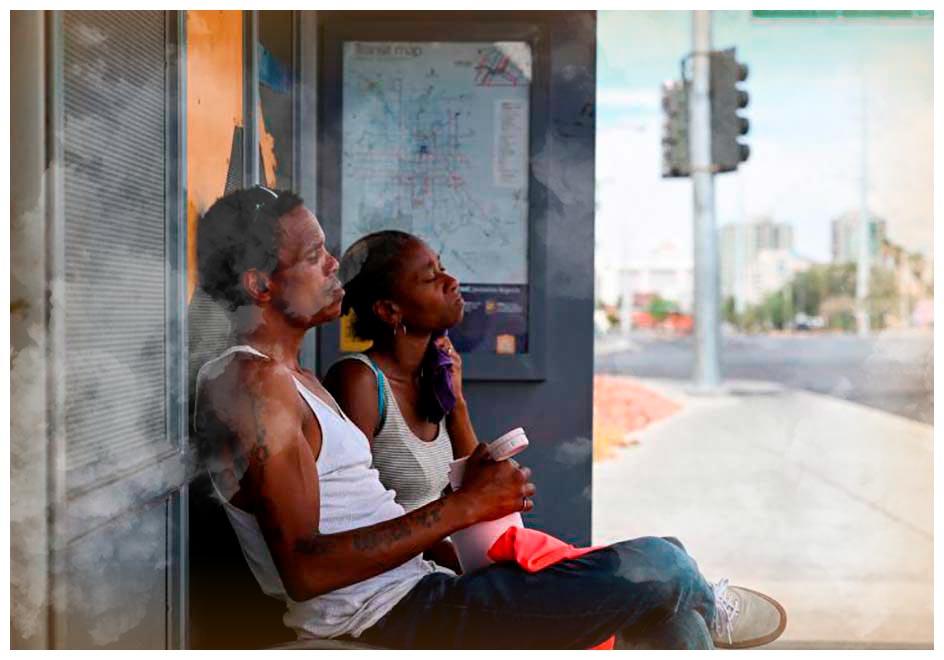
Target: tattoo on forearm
[[371, 539], [315, 544], [428, 517]]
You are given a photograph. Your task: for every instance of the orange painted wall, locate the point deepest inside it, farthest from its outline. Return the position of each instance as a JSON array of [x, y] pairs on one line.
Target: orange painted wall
[[214, 108]]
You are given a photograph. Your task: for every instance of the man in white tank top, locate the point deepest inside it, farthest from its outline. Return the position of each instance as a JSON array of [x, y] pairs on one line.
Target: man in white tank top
[[320, 531]]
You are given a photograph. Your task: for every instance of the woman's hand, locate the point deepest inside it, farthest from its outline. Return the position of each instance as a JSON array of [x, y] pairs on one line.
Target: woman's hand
[[456, 368], [458, 422]]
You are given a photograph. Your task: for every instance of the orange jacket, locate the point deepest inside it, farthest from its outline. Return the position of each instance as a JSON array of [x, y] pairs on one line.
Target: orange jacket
[[534, 550]]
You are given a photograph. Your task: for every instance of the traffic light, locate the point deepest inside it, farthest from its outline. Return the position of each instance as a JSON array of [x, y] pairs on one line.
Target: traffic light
[[726, 99], [675, 155]]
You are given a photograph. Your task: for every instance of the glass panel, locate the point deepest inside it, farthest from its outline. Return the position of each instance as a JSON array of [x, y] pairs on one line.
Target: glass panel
[[214, 155], [808, 474], [116, 256], [277, 98]]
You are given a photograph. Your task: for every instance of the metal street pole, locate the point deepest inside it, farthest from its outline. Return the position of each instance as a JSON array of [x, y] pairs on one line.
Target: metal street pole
[[707, 373], [741, 234], [864, 238], [626, 304]]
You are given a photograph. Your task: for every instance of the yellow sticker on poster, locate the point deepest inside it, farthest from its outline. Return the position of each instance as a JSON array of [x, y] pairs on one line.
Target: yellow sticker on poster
[[350, 343]]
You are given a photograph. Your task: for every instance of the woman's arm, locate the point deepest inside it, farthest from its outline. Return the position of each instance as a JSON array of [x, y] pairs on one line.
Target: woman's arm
[[354, 386], [460, 430]]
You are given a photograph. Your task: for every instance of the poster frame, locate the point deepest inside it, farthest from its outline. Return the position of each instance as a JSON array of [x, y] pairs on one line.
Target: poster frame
[[339, 27]]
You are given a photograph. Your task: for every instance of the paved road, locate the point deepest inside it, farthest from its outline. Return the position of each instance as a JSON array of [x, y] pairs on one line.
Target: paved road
[[894, 373]]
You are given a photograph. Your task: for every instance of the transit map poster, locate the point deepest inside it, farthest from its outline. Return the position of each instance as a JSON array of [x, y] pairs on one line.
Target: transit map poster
[[435, 142]]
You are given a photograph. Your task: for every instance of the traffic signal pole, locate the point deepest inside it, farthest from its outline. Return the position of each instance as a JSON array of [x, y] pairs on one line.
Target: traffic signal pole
[[707, 307], [700, 137]]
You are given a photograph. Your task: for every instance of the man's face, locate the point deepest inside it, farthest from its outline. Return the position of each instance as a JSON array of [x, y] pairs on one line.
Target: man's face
[[305, 287]]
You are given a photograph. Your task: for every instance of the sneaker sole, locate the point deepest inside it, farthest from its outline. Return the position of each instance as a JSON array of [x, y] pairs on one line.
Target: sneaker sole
[[766, 639]]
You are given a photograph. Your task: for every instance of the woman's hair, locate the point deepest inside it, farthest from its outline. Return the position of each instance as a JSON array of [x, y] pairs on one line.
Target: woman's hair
[[238, 233], [367, 272]]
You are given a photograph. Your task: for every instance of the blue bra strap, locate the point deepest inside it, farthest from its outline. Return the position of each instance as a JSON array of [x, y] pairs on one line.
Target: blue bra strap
[[380, 390]]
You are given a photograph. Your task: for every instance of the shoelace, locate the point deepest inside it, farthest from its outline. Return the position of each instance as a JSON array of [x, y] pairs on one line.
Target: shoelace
[[727, 609]]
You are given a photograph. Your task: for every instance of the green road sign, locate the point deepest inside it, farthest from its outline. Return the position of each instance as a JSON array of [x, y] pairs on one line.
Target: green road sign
[[807, 14]]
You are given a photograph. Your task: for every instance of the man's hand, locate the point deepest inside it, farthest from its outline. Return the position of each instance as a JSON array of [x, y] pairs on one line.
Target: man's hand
[[493, 489]]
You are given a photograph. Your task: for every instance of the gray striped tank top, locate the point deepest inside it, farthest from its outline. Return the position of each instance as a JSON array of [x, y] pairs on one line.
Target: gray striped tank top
[[418, 471]]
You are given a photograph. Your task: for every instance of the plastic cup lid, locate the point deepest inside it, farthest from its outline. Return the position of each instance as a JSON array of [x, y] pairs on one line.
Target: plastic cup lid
[[511, 434], [510, 444]]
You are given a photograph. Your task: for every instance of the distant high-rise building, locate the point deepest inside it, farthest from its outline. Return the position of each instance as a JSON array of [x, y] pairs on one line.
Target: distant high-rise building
[[667, 273], [845, 237], [743, 276]]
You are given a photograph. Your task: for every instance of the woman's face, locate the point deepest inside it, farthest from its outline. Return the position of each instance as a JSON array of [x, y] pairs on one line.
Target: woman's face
[[428, 296]]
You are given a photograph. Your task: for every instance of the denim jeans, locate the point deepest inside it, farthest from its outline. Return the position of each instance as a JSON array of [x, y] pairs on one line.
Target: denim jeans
[[647, 591]]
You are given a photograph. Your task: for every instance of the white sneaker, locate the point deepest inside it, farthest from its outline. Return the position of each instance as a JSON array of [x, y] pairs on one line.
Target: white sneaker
[[745, 618]]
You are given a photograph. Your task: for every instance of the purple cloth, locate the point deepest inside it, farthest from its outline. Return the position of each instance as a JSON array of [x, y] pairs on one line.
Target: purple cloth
[[437, 398]]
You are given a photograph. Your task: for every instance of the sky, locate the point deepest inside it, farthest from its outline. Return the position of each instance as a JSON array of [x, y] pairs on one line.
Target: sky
[[806, 86]]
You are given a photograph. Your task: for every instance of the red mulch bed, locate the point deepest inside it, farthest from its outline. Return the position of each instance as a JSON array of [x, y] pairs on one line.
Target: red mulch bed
[[621, 407]]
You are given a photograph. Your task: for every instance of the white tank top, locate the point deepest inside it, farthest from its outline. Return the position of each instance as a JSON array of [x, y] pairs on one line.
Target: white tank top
[[351, 497]]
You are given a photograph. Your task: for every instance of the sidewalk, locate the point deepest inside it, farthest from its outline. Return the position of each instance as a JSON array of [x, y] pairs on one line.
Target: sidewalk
[[823, 503]]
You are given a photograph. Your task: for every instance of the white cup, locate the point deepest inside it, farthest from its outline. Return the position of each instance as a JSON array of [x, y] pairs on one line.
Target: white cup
[[506, 446], [472, 543], [456, 472]]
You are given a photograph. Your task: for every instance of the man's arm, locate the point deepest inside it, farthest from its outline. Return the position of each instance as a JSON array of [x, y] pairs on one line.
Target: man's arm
[[282, 484]]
